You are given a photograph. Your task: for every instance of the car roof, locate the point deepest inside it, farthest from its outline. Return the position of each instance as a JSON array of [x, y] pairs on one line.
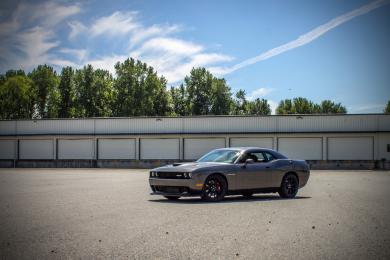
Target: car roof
[[249, 149]]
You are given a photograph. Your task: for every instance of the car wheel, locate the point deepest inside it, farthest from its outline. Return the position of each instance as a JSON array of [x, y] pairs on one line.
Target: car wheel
[[247, 194], [289, 187], [172, 197], [214, 188]]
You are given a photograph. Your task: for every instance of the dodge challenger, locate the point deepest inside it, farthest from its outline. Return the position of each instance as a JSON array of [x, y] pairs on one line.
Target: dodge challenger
[[231, 171]]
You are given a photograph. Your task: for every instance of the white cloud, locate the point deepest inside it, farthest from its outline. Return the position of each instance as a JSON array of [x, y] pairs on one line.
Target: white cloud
[[80, 54], [106, 62], [143, 33], [259, 93], [304, 38], [28, 36], [76, 28], [116, 24], [174, 58]]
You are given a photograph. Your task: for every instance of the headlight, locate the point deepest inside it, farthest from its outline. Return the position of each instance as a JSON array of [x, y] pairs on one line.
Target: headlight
[[187, 175]]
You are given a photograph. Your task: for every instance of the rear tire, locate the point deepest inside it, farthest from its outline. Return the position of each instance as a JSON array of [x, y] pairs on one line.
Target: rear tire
[[289, 187], [172, 197], [214, 188]]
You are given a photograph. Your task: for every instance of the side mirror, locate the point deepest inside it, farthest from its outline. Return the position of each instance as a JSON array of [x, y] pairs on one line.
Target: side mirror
[[248, 161]]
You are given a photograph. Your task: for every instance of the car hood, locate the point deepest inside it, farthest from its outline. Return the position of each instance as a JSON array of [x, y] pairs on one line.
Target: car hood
[[188, 167]]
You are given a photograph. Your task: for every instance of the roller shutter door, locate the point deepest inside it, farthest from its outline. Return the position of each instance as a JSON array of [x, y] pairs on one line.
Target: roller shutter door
[[301, 148], [159, 149], [350, 148], [116, 148], [76, 149], [7, 149], [251, 142], [194, 148], [36, 149]]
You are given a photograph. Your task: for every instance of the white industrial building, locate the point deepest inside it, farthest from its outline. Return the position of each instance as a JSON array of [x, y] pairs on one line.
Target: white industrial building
[[326, 141]]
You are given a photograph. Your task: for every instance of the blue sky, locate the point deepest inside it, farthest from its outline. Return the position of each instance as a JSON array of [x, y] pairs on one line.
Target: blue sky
[[337, 50]]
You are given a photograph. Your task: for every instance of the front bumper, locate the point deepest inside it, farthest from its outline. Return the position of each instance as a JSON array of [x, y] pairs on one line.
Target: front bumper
[[175, 187]]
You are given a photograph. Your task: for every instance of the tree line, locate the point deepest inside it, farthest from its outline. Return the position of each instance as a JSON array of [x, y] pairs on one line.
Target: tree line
[[137, 90]]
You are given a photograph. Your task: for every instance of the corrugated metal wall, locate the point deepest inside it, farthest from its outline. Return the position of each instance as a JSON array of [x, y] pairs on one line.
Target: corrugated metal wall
[[76, 149], [350, 148], [194, 148], [118, 148], [301, 147], [159, 148], [335, 137], [188, 125], [266, 142], [8, 149], [36, 149]]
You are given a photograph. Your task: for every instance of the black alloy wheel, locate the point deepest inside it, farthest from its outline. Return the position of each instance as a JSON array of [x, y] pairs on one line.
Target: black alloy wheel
[[214, 188], [289, 186]]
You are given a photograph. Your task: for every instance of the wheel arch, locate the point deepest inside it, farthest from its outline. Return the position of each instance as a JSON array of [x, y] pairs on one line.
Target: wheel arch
[[219, 174], [290, 172]]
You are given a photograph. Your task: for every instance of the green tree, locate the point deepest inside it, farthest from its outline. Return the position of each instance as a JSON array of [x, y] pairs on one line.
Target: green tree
[[179, 100], [329, 107], [241, 106], [221, 98], [302, 106], [285, 107], [94, 92], [17, 97], [67, 94], [387, 108], [46, 82], [140, 91], [259, 107], [199, 86]]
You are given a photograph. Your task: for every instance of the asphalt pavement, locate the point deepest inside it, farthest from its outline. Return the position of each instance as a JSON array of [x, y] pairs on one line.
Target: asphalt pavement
[[109, 214]]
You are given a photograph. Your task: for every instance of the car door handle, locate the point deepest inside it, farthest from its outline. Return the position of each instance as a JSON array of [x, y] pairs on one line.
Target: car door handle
[[267, 167]]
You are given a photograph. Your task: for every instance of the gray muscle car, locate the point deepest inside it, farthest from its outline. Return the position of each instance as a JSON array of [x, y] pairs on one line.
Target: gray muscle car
[[229, 171]]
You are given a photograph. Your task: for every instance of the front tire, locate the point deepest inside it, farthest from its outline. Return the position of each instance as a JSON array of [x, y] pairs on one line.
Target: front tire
[[214, 188], [172, 197], [289, 187]]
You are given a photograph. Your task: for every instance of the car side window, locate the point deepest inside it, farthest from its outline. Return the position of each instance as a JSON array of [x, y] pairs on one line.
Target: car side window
[[268, 156], [257, 157]]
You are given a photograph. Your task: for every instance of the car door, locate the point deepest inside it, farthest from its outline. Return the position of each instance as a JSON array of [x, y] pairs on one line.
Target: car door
[[254, 175]]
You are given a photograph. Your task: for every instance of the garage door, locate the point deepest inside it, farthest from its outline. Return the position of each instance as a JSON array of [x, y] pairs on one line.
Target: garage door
[[7, 150], [76, 149], [116, 148], [350, 148], [251, 142], [301, 148], [194, 148], [36, 149], [160, 148]]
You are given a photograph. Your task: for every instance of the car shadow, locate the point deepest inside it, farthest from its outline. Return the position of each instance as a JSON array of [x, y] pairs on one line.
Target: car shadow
[[228, 199]]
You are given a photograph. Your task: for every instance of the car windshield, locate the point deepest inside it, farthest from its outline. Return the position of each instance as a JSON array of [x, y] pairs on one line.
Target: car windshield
[[226, 156]]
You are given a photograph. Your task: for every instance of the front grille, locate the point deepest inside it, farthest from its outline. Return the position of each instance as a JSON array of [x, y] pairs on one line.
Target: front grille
[[170, 189], [169, 175]]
